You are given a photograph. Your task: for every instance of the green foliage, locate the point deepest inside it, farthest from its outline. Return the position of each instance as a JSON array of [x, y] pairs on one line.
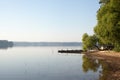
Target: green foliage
[[117, 48], [89, 42], [84, 37], [103, 1], [108, 27]]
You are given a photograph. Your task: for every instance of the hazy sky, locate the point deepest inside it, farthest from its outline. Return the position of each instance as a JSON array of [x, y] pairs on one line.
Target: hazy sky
[[47, 20]]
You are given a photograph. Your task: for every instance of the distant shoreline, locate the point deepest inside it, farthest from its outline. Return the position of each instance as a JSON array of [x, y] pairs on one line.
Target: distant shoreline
[[47, 44], [4, 44]]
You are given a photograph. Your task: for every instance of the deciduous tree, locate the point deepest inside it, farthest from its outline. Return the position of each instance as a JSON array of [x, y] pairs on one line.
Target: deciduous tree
[[108, 26]]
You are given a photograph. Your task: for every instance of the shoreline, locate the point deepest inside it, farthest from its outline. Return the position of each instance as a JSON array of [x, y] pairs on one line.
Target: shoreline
[[109, 56], [112, 59]]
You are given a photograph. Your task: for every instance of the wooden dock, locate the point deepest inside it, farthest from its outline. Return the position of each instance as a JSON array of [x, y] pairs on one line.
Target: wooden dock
[[70, 51]]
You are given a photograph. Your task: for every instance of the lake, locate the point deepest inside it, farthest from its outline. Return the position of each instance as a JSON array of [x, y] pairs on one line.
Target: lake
[[45, 63]]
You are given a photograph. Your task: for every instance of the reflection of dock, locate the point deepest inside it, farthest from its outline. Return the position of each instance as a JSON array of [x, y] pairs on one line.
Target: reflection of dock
[[70, 51]]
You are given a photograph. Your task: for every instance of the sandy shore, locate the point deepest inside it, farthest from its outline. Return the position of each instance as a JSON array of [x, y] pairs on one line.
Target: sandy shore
[[108, 56], [112, 59]]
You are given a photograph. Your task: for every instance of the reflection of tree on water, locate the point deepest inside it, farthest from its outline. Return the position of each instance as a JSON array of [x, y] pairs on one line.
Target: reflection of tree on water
[[105, 71], [89, 64], [108, 68]]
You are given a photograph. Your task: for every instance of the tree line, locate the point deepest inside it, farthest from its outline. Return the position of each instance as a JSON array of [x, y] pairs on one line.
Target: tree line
[[6, 44], [107, 30]]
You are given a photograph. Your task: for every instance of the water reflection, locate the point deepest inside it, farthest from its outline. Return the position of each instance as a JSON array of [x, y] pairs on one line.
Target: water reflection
[[89, 64], [106, 69], [5, 47]]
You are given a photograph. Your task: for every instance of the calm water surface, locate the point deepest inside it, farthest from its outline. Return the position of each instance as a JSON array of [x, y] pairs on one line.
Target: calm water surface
[[45, 63]]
